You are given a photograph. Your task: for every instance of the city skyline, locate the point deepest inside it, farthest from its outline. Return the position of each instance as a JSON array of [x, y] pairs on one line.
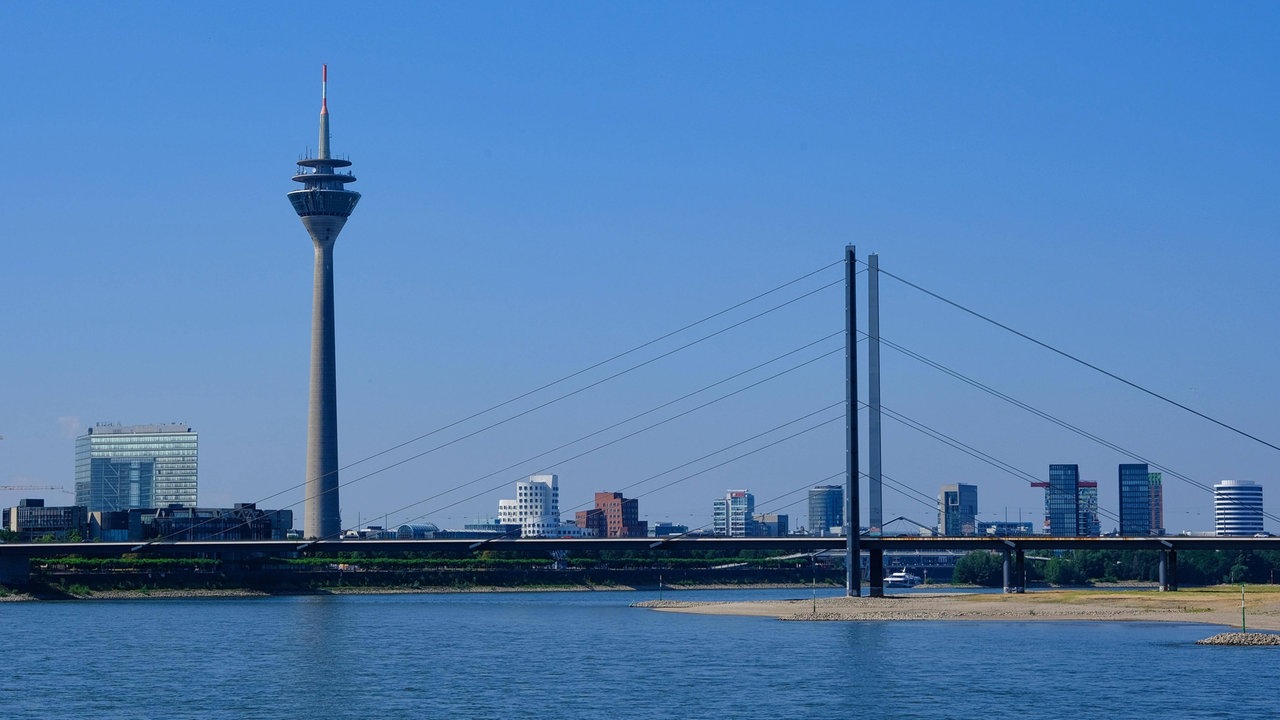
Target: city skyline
[[1099, 178]]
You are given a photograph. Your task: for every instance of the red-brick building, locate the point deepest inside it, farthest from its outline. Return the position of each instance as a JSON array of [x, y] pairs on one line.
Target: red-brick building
[[613, 516]]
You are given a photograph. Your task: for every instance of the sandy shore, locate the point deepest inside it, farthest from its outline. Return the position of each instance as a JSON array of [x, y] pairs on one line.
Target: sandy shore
[[1215, 606]]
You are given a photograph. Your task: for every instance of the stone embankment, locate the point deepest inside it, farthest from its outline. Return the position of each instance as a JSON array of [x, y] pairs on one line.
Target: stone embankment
[[1241, 638]]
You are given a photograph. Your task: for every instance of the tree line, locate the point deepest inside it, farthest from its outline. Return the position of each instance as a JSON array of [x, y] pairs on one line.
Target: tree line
[[1084, 567]]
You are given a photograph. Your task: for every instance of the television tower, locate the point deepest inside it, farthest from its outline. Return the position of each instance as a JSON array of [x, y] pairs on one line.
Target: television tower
[[323, 204]]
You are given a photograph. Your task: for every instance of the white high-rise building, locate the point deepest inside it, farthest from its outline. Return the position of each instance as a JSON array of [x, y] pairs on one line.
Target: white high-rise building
[[734, 514], [1237, 508], [536, 509]]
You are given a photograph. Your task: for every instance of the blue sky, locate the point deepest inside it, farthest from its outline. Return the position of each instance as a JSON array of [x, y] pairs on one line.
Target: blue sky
[[546, 185]]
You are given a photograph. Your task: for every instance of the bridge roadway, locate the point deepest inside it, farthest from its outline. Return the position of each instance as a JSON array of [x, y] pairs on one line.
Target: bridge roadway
[[15, 558], [293, 548]]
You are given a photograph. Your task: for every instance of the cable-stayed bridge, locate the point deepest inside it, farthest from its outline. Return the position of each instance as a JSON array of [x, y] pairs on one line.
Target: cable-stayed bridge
[[819, 353]]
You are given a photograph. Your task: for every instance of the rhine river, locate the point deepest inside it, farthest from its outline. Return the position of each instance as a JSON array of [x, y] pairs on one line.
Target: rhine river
[[589, 655]]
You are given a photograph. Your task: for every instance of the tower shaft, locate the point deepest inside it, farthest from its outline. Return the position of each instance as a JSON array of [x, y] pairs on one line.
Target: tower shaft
[[323, 205], [323, 514]]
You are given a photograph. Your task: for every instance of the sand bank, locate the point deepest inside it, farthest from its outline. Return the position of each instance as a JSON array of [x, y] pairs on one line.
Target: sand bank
[[1215, 606]]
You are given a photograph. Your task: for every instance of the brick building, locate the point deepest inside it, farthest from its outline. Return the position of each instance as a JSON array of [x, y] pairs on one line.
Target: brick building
[[613, 516]]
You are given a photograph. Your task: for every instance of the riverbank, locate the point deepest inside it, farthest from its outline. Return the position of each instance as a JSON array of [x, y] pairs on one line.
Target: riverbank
[[81, 593], [1213, 605]]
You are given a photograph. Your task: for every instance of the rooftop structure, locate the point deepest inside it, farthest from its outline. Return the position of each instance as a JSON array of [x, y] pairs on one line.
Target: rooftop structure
[[324, 204]]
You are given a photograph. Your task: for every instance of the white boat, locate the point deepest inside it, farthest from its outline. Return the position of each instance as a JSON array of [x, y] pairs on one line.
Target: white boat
[[902, 579]]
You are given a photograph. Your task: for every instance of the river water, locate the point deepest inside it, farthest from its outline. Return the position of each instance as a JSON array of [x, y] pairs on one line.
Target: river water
[[590, 655]]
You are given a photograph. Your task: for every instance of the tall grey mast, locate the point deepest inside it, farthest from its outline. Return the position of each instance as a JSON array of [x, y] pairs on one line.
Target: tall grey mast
[[323, 204]]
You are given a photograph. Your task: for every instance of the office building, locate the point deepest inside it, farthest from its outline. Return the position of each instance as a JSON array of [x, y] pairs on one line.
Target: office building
[[958, 509], [1155, 493], [1087, 523], [136, 466], [1004, 528], [613, 516], [323, 205], [244, 521], [667, 529], [486, 528], [826, 510], [1237, 508], [1061, 500], [109, 526], [733, 515], [33, 521], [1135, 499], [772, 525], [536, 509]]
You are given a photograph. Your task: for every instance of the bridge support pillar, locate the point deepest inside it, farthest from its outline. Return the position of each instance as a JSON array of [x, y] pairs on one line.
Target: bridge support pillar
[[1164, 571], [15, 571], [1020, 572], [1008, 571], [875, 572]]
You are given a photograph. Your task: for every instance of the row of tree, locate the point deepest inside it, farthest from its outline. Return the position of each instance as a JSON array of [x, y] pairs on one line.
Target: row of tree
[[1082, 567]]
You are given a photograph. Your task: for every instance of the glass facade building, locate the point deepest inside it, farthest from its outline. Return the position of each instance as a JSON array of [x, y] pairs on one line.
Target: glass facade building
[[136, 466], [1135, 499], [1155, 489], [826, 510], [1062, 500], [1087, 523], [1237, 508], [958, 509]]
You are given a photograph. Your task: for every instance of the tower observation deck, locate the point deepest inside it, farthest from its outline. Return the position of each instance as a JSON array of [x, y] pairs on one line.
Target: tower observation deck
[[323, 204]]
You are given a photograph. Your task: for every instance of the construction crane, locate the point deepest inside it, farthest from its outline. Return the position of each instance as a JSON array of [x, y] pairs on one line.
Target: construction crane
[[20, 488]]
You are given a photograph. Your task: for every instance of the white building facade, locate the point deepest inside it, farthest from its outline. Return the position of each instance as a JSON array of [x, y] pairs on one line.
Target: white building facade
[[1237, 508], [536, 509], [734, 514]]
